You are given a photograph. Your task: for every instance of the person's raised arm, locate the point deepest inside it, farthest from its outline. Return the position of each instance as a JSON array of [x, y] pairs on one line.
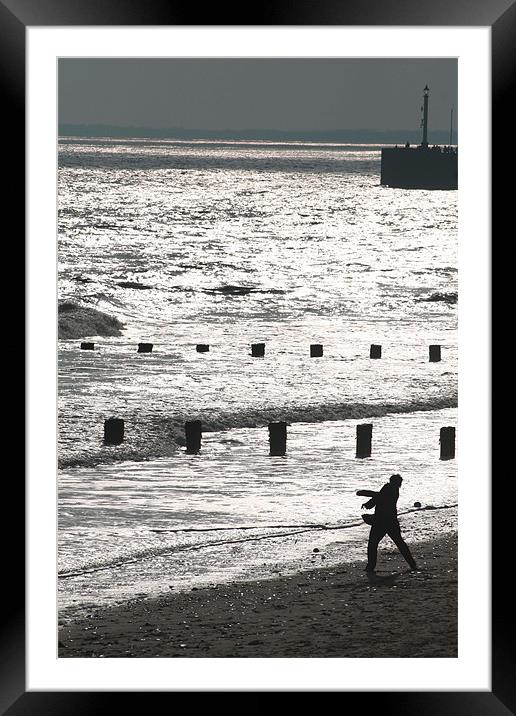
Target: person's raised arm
[[366, 493]]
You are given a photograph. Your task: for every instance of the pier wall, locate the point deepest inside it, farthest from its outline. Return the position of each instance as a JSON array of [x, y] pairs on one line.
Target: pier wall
[[418, 168]]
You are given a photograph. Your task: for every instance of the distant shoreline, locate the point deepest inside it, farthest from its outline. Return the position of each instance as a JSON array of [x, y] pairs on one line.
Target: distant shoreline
[[349, 136]]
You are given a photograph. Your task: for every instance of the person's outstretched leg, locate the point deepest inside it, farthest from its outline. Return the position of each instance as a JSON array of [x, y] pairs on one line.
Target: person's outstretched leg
[[375, 535], [395, 534]]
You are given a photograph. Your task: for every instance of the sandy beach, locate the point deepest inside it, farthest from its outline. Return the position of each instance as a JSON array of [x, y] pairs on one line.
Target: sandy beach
[[326, 612]]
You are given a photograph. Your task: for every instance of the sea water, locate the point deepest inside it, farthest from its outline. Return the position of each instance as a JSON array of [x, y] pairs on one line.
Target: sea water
[[233, 243]]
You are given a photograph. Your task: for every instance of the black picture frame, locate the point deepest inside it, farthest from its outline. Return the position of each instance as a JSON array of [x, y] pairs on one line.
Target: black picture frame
[[15, 17]]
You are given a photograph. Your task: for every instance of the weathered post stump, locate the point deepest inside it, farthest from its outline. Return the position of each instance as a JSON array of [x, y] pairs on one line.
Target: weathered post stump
[[278, 438], [145, 347], [375, 351], [113, 431], [364, 439], [316, 350], [258, 350], [193, 436], [447, 441], [434, 354]]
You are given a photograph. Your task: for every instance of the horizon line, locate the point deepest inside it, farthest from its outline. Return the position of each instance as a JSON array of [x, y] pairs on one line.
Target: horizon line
[[138, 131]]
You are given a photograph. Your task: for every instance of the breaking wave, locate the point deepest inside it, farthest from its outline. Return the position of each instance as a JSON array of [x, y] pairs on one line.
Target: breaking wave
[[450, 297], [230, 290], [75, 321], [230, 535], [151, 437]]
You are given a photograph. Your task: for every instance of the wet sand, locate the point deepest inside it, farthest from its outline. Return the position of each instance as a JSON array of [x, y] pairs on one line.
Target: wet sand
[[332, 612]]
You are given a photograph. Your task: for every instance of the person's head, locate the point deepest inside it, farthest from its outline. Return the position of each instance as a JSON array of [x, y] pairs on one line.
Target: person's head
[[396, 480]]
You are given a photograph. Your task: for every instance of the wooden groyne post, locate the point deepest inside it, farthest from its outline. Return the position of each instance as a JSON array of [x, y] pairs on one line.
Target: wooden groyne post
[[202, 348], [193, 436], [364, 439], [447, 441], [375, 351], [145, 347], [434, 354], [278, 438], [87, 346], [257, 350], [316, 350], [113, 431]]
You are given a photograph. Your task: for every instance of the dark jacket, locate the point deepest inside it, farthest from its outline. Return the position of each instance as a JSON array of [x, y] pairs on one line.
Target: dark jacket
[[384, 503]]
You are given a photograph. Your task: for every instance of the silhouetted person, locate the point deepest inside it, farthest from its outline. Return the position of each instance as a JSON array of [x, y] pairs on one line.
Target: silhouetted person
[[385, 521]]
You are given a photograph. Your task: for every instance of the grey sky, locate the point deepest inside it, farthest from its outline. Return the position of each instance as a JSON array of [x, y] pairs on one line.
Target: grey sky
[[283, 94]]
